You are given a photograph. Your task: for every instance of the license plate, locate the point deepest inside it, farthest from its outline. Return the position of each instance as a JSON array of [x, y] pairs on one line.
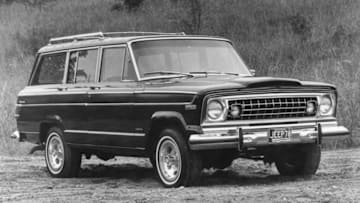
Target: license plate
[[279, 135]]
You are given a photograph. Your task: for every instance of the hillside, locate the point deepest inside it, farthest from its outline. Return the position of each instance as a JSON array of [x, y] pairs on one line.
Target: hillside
[[305, 39]]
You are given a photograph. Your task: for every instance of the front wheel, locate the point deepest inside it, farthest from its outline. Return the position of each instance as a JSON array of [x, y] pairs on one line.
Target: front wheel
[[61, 160], [302, 160], [176, 165]]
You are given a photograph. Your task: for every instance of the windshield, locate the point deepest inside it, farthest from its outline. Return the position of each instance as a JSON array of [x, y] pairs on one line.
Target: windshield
[[194, 56]]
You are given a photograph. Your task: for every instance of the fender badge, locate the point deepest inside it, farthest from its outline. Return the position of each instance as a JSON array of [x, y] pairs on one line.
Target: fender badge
[[190, 107]]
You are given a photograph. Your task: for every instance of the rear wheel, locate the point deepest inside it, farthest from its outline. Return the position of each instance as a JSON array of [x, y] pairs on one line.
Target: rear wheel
[[302, 160], [61, 160], [176, 165]]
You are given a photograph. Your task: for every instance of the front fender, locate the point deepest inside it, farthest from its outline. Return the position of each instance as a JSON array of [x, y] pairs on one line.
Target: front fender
[[163, 118], [169, 116]]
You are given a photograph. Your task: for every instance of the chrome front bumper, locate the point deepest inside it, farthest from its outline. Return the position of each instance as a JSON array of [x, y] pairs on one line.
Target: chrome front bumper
[[258, 135]]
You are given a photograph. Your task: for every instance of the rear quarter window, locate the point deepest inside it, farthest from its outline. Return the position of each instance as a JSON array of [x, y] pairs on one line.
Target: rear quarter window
[[50, 69]]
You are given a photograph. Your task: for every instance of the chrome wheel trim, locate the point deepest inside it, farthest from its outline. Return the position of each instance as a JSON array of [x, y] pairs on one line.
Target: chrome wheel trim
[[54, 154], [168, 160]]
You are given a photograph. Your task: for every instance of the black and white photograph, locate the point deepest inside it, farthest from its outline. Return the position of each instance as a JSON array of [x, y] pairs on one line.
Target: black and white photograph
[[180, 101]]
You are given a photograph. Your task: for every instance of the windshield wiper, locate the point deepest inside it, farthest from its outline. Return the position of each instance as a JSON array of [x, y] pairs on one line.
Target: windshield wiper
[[213, 72], [168, 73]]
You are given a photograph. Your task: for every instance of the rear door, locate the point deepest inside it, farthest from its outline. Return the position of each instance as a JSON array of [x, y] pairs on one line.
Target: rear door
[[110, 110], [81, 74]]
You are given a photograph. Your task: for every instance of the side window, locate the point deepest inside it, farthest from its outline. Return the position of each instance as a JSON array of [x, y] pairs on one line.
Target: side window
[[86, 67], [129, 71], [50, 69], [112, 64], [82, 66]]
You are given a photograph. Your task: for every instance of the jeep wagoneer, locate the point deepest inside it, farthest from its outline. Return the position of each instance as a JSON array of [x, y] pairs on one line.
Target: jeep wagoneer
[[187, 102]]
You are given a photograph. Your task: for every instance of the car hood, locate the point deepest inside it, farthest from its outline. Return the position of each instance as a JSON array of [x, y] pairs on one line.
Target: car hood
[[220, 83]]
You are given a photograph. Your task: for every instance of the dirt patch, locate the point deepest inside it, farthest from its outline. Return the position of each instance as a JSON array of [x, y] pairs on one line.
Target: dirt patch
[[25, 179]]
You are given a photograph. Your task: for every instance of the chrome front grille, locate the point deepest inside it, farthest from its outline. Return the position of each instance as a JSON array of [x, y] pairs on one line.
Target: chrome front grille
[[270, 108]]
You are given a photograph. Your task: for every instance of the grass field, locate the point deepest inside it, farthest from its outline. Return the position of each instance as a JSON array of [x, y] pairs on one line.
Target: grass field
[[305, 39]]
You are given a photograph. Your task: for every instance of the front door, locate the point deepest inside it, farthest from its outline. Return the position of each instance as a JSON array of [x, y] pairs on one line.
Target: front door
[[110, 110]]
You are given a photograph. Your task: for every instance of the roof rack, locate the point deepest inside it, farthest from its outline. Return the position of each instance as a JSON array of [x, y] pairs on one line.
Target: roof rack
[[121, 34], [101, 35]]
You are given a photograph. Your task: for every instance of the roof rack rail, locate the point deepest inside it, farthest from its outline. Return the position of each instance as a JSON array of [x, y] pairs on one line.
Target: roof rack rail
[[94, 35], [110, 34], [101, 35]]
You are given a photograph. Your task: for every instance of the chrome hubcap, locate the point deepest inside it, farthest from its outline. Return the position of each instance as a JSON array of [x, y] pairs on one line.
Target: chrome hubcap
[[55, 153], [169, 160]]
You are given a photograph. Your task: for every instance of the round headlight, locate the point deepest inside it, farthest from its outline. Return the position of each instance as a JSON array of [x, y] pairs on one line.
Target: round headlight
[[215, 110], [325, 104]]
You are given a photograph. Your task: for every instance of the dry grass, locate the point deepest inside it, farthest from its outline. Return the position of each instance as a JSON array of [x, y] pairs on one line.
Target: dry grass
[[129, 179], [305, 39]]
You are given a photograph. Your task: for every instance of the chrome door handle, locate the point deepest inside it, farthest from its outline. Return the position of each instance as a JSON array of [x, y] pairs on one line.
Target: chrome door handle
[[95, 87], [62, 88]]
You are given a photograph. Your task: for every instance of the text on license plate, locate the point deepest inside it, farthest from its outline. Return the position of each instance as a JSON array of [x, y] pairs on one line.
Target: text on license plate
[[279, 135]]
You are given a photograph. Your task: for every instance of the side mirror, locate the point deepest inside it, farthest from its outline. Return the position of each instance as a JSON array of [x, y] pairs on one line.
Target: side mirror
[[252, 72]]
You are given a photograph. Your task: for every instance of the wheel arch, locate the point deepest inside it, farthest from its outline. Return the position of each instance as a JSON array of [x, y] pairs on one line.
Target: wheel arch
[[49, 122], [164, 119]]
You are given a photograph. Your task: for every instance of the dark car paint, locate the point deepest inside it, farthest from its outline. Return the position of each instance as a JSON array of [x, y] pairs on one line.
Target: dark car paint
[[131, 107], [217, 83]]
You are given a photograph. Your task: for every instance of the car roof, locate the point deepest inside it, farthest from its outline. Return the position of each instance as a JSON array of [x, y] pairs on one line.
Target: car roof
[[113, 38]]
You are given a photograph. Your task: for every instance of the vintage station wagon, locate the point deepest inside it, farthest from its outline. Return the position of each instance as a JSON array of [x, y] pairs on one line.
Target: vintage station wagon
[[187, 102]]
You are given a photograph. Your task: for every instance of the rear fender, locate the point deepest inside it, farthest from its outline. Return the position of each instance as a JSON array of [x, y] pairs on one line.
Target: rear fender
[[49, 122]]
